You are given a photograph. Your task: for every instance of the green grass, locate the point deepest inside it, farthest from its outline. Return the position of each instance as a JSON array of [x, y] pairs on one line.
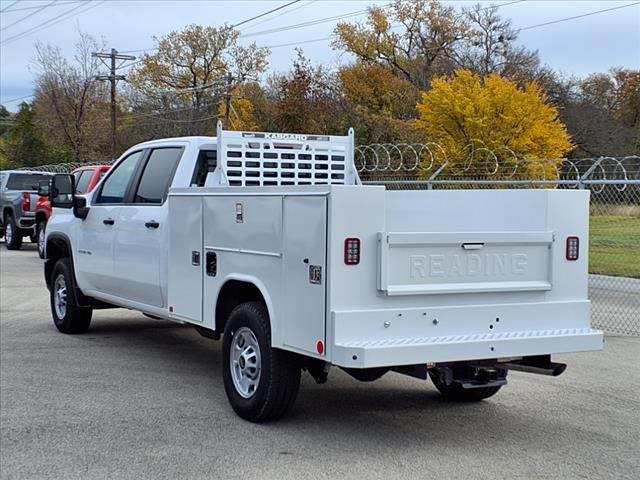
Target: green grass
[[614, 245]]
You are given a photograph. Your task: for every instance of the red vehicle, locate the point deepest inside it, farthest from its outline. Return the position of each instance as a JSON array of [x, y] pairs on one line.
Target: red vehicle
[[86, 179]]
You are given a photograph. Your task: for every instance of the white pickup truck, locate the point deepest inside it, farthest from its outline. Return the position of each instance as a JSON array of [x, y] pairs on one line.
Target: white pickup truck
[[270, 242]]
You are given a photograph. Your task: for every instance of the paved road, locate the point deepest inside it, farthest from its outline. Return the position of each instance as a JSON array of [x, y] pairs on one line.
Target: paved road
[[137, 398]]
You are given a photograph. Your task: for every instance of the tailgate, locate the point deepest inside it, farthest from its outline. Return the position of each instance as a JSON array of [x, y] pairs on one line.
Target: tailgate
[[419, 263]]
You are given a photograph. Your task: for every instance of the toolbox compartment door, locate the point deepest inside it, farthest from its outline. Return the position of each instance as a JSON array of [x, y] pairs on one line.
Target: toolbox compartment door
[[305, 273], [422, 263], [185, 258]]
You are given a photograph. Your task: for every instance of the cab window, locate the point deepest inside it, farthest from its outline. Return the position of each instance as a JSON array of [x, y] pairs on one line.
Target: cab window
[[157, 175], [115, 186]]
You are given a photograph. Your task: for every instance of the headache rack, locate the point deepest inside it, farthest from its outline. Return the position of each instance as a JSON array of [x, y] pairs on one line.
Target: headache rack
[[247, 159]]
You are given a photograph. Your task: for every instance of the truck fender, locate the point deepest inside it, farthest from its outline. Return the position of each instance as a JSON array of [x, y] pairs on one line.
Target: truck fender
[[259, 285]]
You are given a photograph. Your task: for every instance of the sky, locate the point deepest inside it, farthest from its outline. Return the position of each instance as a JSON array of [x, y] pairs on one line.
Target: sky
[[579, 46]]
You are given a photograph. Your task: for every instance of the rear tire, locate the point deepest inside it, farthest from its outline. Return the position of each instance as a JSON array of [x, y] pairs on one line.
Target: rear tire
[[40, 233], [13, 237], [68, 317], [456, 393], [261, 382]]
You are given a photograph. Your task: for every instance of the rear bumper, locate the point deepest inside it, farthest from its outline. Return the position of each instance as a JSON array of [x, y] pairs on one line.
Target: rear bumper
[[26, 223], [384, 338]]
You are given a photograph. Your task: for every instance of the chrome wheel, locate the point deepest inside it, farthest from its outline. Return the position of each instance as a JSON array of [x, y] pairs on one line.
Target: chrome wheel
[[245, 362], [41, 241], [8, 233], [60, 296]]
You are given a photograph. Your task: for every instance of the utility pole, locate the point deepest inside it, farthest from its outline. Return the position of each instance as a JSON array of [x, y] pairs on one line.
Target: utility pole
[[113, 78], [227, 106]]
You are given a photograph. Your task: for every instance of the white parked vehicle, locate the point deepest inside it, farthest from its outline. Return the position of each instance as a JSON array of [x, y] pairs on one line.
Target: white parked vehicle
[[270, 242]]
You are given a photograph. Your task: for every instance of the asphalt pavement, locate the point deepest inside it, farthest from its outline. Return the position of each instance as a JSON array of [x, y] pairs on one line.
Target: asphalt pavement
[[141, 398]]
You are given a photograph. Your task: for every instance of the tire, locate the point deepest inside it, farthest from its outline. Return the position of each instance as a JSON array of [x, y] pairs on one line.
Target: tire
[[261, 382], [13, 237], [456, 393], [68, 317], [40, 233]]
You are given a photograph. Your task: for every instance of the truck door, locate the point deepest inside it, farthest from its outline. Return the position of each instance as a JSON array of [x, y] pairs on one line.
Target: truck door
[[93, 260], [141, 231], [304, 264]]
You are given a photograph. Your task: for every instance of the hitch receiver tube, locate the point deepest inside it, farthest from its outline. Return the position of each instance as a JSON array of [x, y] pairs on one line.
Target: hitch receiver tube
[[540, 364]]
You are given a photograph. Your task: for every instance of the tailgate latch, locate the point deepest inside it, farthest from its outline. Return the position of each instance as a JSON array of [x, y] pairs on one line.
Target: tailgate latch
[[473, 245]]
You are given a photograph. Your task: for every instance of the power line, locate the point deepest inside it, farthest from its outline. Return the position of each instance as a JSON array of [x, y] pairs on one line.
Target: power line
[[19, 98], [288, 12], [576, 16], [305, 24], [88, 5], [6, 9], [58, 4], [300, 43], [265, 13], [22, 19], [280, 29]]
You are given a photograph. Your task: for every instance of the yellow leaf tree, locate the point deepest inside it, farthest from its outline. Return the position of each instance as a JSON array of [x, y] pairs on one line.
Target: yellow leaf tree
[[241, 115], [380, 105], [489, 127]]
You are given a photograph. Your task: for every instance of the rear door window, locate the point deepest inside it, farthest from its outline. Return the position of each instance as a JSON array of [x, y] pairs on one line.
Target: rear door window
[[115, 186], [157, 176], [25, 181], [82, 182]]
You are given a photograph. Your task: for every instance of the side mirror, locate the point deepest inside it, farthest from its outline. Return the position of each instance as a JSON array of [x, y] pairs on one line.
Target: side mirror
[[43, 188], [80, 209], [62, 190], [62, 195]]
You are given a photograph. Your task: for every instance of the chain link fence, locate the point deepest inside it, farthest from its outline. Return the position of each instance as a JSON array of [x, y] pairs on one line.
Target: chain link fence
[[614, 260], [614, 250]]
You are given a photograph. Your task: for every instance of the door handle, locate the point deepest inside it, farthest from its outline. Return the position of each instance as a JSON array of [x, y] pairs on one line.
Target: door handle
[[108, 221], [152, 224]]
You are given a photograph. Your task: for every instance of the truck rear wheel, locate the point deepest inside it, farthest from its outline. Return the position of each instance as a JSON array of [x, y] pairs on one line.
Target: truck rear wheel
[[261, 382], [456, 392], [13, 237], [68, 317]]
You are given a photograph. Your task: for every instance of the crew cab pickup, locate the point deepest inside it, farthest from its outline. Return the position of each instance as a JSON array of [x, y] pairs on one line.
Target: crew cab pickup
[[270, 242], [18, 197], [86, 178]]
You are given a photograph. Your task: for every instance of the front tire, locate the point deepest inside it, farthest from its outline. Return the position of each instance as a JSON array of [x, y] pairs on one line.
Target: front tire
[[13, 238], [41, 236], [68, 316], [261, 382], [457, 393]]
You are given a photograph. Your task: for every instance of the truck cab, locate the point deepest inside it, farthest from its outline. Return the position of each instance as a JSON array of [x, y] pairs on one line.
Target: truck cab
[[18, 198], [86, 178], [270, 242]]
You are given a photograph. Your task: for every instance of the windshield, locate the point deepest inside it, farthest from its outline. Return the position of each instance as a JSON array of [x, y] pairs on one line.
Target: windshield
[[25, 181]]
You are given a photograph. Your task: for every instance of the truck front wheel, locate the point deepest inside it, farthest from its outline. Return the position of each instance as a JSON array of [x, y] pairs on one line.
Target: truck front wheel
[[456, 392], [42, 225], [261, 382], [68, 317]]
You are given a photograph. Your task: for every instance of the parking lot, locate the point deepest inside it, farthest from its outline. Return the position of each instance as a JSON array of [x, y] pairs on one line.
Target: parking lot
[[140, 398]]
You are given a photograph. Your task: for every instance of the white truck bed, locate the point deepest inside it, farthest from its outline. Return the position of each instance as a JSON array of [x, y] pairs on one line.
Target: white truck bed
[[443, 275]]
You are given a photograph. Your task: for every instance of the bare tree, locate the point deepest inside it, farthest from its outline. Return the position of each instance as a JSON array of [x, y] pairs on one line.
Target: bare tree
[[70, 103], [490, 47]]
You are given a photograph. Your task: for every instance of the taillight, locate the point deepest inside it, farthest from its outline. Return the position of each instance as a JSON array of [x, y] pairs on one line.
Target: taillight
[[352, 251], [573, 248], [26, 202]]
